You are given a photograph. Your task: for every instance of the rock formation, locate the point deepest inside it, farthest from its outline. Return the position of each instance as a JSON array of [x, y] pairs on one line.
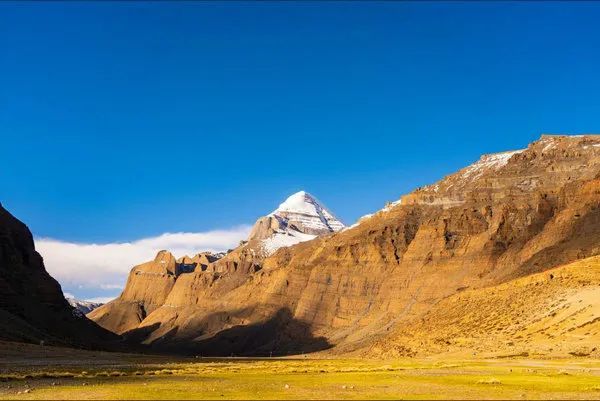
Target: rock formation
[[506, 216], [147, 289], [153, 288], [32, 305]]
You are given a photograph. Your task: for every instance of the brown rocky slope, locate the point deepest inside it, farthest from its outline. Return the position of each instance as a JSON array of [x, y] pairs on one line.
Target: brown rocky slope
[[504, 217], [555, 313], [32, 305]]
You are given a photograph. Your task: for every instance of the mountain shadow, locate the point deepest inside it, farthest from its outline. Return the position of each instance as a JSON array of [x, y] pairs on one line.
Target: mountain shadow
[[280, 335]]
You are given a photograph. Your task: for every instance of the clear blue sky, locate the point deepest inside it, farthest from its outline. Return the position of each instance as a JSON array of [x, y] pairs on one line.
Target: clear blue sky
[[124, 120]]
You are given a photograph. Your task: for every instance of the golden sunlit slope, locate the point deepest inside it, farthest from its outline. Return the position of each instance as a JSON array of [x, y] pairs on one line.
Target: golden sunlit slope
[[554, 313]]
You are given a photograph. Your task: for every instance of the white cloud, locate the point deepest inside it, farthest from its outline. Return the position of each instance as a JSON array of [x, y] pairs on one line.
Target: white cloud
[[93, 268], [101, 300]]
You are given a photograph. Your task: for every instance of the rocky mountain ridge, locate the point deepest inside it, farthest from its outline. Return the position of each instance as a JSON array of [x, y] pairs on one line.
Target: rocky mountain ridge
[[504, 217]]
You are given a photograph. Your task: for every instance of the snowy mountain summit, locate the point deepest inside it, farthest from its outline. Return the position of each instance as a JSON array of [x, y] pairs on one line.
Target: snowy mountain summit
[[305, 212], [301, 217]]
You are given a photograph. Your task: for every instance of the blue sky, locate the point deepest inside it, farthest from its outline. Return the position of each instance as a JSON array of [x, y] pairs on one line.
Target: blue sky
[[122, 121]]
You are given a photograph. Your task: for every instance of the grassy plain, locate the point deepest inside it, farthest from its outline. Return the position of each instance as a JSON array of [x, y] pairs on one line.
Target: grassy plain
[[55, 373]]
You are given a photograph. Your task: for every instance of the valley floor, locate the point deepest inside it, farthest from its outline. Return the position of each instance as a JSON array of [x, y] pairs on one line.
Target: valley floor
[[33, 372]]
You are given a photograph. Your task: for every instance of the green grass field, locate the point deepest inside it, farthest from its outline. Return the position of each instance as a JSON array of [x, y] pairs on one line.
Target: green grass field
[[304, 379]]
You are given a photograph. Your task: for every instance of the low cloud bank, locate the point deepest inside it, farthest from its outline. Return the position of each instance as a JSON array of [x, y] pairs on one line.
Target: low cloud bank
[[100, 270]]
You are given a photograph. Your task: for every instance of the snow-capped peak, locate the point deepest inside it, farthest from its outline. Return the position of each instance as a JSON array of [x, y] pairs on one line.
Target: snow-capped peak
[[304, 209], [300, 202], [301, 217]]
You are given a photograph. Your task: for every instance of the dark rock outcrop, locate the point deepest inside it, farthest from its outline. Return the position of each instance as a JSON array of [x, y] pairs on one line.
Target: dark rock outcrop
[[32, 305]]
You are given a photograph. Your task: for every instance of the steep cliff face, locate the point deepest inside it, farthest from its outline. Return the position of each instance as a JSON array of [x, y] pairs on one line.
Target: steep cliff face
[[506, 216], [32, 305]]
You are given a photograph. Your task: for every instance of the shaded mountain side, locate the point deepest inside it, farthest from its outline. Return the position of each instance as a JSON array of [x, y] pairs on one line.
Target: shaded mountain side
[[278, 335], [554, 313], [506, 216], [32, 305]]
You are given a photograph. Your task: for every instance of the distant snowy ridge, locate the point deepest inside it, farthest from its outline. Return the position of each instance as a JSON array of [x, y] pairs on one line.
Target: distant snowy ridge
[[84, 307]]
